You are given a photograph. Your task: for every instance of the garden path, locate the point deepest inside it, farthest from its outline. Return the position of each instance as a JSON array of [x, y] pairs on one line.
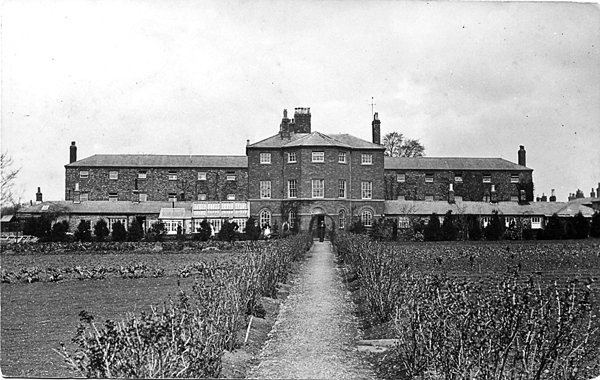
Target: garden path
[[316, 334]]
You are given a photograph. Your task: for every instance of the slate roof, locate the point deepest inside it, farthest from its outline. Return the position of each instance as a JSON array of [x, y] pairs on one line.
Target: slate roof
[[175, 213], [450, 163], [103, 207], [562, 209], [315, 139], [158, 161]]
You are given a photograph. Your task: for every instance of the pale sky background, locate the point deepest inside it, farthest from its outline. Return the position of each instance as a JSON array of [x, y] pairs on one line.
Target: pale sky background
[[473, 79]]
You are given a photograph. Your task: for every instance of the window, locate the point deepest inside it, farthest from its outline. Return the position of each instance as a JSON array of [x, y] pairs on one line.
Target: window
[[342, 219], [292, 191], [143, 197], [536, 222], [172, 197], [457, 177], [487, 178], [342, 157], [429, 177], [172, 175], [202, 197], [318, 188], [231, 176], [403, 222], [84, 197], [342, 188], [367, 190], [514, 178], [113, 197], [318, 156], [113, 174], [292, 157], [367, 159], [401, 197], [514, 198], [292, 218], [429, 198], [231, 197], [401, 177], [142, 174], [367, 218], [201, 176], [265, 158], [458, 198], [265, 218], [265, 189], [84, 174]]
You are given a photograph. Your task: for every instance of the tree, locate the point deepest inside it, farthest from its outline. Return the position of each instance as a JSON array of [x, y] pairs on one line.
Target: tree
[[157, 231], [40, 227], [252, 231], [228, 231], [101, 230], [581, 226], [118, 232], [495, 229], [8, 176], [595, 227], [449, 229], [475, 232], [433, 229], [397, 146], [83, 232], [136, 232], [59, 231], [554, 228]]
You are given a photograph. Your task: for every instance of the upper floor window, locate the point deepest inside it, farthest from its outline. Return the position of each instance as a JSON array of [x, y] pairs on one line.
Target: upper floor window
[[143, 197], [113, 197], [292, 157], [429, 198], [265, 158], [142, 174], [366, 159], [342, 157], [292, 190], [514, 178], [113, 174], [367, 190], [429, 177], [318, 188], [265, 189], [487, 178], [202, 197], [318, 156], [172, 175], [231, 176], [458, 198], [84, 174], [458, 177], [401, 177], [401, 197], [514, 198], [84, 197], [172, 197], [201, 176], [342, 188], [231, 197]]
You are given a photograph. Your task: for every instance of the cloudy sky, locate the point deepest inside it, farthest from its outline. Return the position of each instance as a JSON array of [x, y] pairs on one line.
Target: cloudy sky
[[473, 79]]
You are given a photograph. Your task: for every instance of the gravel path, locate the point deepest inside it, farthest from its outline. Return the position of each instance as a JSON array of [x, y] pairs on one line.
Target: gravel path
[[315, 334]]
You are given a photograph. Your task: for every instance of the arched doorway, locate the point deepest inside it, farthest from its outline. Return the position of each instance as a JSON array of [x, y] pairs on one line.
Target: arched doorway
[[318, 215]]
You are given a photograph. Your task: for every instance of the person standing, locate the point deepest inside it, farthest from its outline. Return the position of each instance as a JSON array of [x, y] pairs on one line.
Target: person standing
[[322, 231]]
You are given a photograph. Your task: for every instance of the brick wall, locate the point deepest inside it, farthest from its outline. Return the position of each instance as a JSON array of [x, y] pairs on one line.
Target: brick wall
[[157, 184]]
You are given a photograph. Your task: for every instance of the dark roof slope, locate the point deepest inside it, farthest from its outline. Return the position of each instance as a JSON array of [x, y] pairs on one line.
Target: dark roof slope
[[315, 139], [101, 207], [450, 163], [158, 161]]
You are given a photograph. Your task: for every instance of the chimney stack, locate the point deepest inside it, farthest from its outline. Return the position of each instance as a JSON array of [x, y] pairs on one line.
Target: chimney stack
[[544, 198], [72, 152], [38, 196], [598, 190], [284, 127], [522, 156], [553, 197], [451, 198], [302, 119], [494, 196], [376, 128], [592, 194]]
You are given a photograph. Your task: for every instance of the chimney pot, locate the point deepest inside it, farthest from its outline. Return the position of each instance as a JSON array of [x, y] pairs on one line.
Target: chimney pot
[[522, 155], [72, 152], [38, 196], [376, 129]]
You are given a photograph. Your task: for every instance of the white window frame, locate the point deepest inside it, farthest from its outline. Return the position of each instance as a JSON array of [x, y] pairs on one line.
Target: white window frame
[[342, 157], [514, 198], [265, 158], [366, 218], [292, 159], [142, 174], [318, 156], [201, 176], [231, 176], [202, 196], [292, 188], [318, 188], [342, 219], [366, 190], [292, 218], [172, 197], [400, 177], [430, 198], [231, 197], [487, 178], [113, 174], [264, 217], [514, 178], [265, 189], [428, 177], [458, 177], [172, 175], [366, 159], [403, 222], [342, 189], [84, 174], [113, 197], [458, 198], [143, 197], [84, 196]]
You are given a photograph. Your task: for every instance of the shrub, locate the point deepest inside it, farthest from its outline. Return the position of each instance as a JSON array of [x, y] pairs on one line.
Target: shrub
[[83, 232], [595, 226], [475, 232], [554, 229], [136, 232], [581, 226], [228, 231], [118, 232], [252, 231], [449, 230], [59, 231], [433, 229], [101, 230], [495, 229], [157, 231], [40, 227]]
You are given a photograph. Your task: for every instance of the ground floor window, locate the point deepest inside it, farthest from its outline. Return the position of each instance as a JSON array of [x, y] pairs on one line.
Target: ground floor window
[[367, 218], [265, 218], [342, 219]]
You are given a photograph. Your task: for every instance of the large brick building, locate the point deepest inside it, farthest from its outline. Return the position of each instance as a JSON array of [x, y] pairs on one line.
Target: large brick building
[[296, 177]]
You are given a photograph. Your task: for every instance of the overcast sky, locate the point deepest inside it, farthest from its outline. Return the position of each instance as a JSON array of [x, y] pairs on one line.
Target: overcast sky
[[473, 79]]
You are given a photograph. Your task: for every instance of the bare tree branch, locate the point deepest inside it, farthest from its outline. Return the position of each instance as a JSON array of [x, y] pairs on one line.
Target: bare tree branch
[[8, 174]]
